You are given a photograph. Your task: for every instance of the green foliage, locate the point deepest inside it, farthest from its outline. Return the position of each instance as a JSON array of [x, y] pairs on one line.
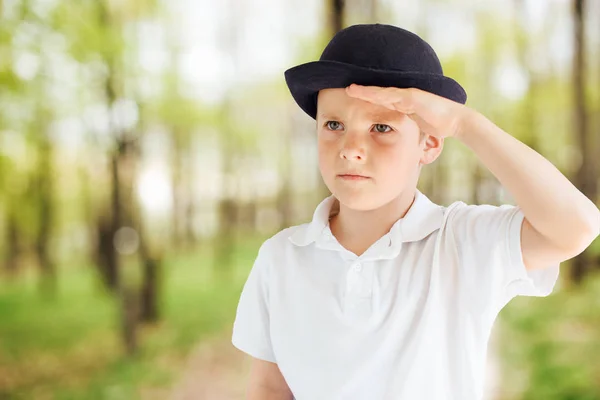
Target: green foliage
[[89, 29], [70, 349], [179, 113], [552, 344]]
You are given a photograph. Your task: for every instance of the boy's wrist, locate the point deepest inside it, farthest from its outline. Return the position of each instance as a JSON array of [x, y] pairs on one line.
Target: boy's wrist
[[470, 123]]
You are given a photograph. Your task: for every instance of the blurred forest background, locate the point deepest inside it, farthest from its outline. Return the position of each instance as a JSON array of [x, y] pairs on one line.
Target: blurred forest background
[[148, 147]]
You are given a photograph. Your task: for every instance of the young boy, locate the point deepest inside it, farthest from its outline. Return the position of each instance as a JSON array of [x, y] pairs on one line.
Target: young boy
[[386, 295]]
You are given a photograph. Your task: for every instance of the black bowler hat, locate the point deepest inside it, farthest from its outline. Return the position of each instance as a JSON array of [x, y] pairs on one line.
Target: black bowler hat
[[373, 55]]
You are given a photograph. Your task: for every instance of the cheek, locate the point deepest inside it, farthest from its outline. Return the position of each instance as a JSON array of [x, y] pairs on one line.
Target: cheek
[[326, 155], [398, 160], [327, 148]]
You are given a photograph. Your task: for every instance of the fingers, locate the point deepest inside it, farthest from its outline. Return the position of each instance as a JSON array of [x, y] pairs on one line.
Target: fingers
[[390, 97], [374, 93]]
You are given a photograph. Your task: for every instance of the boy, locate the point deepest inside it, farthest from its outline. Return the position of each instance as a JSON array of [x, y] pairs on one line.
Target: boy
[[386, 295]]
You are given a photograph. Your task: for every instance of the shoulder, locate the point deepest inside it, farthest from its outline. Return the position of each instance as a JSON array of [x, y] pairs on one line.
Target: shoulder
[[279, 245], [477, 224], [282, 238], [460, 212]]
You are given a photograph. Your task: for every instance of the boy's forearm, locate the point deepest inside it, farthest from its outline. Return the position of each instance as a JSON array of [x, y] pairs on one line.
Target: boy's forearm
[[550, 202]]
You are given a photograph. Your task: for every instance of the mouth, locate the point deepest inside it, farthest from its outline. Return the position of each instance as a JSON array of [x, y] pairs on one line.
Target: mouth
[[352, 177]]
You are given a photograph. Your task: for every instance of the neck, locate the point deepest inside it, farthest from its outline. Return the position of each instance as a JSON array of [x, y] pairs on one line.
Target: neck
[[357, 230]]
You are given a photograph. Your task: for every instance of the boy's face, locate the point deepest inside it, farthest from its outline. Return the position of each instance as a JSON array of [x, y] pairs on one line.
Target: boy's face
[[368, 154]]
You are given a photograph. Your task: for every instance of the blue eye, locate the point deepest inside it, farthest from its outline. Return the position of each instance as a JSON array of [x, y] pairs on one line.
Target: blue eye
[[382, 128], [333, 125]]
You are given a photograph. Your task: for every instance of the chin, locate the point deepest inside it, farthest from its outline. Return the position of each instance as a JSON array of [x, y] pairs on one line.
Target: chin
[[360, 200]]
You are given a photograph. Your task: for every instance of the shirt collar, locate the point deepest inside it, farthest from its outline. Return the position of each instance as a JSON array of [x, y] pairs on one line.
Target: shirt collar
[[422, 218]]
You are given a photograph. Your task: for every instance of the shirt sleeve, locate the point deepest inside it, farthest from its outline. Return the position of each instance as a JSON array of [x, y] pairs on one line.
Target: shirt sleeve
[[251, 333], [488, 240]]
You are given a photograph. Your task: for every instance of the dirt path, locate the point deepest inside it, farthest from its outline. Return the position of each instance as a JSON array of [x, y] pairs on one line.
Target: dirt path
[[215, 370]]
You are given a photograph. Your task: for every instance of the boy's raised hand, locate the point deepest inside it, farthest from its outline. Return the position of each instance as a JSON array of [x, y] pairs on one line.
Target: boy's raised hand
[[435, 115]]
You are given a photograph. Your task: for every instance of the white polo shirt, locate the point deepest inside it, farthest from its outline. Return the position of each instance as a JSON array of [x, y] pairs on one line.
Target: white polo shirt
[[408, 319]]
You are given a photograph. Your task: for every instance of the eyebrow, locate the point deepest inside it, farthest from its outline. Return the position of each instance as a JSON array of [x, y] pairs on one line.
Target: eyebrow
[[327, 116]]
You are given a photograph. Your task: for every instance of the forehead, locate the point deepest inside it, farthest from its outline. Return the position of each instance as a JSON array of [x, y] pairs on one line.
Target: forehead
[[337, 102]]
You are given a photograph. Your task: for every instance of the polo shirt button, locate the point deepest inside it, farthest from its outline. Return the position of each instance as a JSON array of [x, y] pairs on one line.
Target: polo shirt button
[[357, 267]]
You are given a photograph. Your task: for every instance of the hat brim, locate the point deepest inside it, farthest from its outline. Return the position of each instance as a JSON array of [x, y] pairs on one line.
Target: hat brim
[[305, 80]]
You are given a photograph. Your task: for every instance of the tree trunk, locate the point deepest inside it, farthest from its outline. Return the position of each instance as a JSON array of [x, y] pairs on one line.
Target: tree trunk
[[151, 261], [89, 217], [597, 151], [150, 289], [13, 240], [584, 178], [226, 237], [176, 192], [182, 217], [337, 16], [528, 112], [151, 277], [105, 256], [228, 211], [113, 272], [119, 216], [129, 318], [285, 197], [190, 197], [46, 217]]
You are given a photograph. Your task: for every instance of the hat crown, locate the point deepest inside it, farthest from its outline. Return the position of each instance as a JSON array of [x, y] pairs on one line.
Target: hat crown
[[382, 47]]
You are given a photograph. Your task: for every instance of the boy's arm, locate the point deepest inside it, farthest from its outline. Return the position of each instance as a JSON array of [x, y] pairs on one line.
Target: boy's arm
[[267, 382], [560, 221]]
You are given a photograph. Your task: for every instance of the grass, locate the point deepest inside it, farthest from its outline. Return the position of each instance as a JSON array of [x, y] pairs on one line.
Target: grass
[[70, 348], [551, 346]]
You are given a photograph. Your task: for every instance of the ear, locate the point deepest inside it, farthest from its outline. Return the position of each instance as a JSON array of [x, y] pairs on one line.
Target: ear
[[432, 148]]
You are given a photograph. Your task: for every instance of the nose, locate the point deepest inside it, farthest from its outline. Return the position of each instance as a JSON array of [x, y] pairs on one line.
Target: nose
[[353, 148]]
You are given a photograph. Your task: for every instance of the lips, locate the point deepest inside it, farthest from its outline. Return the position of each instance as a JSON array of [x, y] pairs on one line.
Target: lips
[[353, 173], [352, 176]]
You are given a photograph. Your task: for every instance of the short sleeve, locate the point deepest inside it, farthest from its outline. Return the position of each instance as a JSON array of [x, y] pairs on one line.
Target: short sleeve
[[488, 240], [251, 333]]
